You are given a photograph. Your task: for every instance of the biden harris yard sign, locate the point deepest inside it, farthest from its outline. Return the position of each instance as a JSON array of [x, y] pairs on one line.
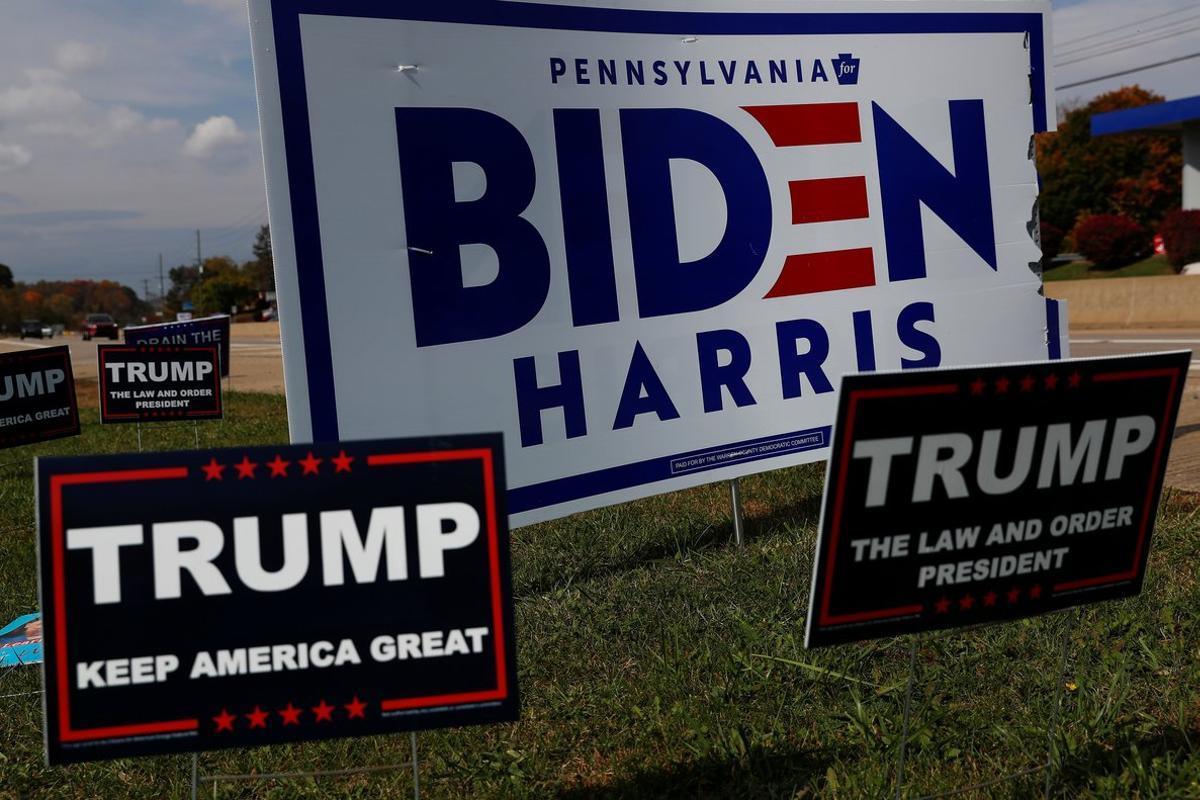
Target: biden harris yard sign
[[644, 242]]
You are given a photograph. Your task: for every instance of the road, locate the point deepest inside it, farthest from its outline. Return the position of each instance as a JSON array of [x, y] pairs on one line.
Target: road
[[1184, 470], [255, 356], [257, 366]]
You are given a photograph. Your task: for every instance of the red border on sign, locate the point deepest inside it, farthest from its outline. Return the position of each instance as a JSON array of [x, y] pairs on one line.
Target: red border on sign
[[57, 536], [69, 734], [489, 481], [1159, 464], [120, 348], [835, 527]]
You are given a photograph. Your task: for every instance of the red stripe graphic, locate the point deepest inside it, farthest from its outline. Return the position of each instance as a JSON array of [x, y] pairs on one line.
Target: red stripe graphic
[[825, 272], [807, 124], [829, 200]]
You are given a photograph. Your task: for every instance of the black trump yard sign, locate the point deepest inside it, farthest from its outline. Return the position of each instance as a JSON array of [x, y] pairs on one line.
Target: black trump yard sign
[[37, 396], [148, 383], [958, 497], [201, 600]]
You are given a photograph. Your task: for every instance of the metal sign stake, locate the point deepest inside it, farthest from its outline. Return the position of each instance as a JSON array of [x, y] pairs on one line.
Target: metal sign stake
[[415, 768], [735, 499], [908, 692]]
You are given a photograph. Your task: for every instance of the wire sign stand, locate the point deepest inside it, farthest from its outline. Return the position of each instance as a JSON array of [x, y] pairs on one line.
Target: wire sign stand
[[216, 779], [1051, 728]]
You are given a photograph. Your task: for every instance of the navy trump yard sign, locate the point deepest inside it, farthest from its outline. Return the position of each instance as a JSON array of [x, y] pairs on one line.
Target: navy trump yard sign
[[958, 497], [145, 383], [37, 396], [201, 600]]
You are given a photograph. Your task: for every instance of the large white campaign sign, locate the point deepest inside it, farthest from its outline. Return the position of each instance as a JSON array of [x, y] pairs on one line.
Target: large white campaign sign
[[643, 240]]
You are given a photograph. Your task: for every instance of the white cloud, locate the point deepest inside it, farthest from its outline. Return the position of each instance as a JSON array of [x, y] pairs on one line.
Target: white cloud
[[78, 56], [41, 98], [13, 156], [47, 106], [214, 136]]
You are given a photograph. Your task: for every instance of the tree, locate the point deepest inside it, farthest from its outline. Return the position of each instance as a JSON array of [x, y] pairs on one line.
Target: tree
[[222, 291], [60, 308], [262, 268], [6, 277], [1138, 174], [183, 278]]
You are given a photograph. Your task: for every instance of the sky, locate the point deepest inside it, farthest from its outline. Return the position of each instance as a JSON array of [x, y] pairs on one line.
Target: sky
[[126, 125]]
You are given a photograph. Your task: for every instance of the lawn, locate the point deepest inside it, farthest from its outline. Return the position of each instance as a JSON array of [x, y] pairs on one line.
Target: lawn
[[658, 660], [1078, 270]]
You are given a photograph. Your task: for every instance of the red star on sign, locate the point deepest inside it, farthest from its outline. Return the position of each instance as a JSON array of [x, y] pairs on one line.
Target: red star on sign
[[356, 708], [978, 386], [342, 462], [224, 721], [257, 717], [967, 603], [310, 464], [942, 606], [1051, 381], [1002, 386], [324, 711], [1035, 592], [1014, 594], [989, 599], [278, 467], [1027, 383], [1075, 380], [290, 715], [213, 471], [245, 468]]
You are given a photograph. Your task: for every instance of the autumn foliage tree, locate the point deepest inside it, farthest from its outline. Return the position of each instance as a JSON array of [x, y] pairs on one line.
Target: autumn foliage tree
[[1137, 175], [67, 302]]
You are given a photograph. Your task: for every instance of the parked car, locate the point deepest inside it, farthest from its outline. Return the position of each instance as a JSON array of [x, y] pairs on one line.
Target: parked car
[[97, 325], [34, 329]]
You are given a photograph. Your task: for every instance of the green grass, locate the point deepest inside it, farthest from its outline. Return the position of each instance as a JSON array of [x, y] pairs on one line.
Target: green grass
[[657, 660], [1079, 270]]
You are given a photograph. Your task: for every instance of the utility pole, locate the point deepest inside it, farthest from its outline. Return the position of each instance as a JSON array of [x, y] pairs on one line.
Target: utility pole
[[146, 289], [162, 286], [199, 261]]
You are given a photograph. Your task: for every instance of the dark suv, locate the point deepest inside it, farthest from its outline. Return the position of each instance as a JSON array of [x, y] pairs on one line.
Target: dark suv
[[97, 325], [34, 329]]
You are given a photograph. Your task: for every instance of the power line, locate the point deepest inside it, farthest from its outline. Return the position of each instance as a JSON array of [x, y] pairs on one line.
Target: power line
[[232, 233], [1150, 34], [1127, 25], [1141, 43], [244, 220], [1102, 46], [1122, 73]]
